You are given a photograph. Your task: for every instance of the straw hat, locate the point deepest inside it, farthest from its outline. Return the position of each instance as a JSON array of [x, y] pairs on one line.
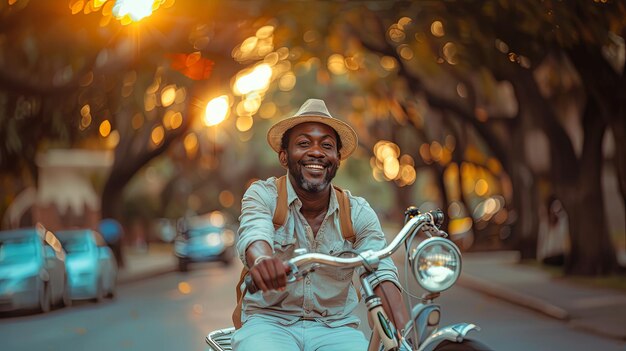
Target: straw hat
[[314, 110]]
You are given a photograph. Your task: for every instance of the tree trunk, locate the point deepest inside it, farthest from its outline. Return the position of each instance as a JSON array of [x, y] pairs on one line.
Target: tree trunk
[[525, 201], [592, 252], [112, 196], [618, 126], [111, 206], [577, 182]]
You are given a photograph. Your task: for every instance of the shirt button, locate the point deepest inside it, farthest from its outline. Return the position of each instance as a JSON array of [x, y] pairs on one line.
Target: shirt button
[[307, 311], [308, 282]]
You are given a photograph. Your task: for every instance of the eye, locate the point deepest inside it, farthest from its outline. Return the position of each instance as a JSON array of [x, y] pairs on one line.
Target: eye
[[327, 146], [303, 143]]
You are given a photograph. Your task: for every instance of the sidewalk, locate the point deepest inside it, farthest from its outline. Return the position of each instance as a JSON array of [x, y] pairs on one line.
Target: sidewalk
[[497, 274], [142, 264]]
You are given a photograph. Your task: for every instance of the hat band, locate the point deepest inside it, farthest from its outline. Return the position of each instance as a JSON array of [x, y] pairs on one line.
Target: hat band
[[309, 113]]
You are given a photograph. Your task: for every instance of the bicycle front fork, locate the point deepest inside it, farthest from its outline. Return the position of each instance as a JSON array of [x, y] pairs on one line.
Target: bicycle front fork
[[383, 327]]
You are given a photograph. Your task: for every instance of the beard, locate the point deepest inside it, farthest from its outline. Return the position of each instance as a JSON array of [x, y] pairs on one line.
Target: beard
[[315, 185]]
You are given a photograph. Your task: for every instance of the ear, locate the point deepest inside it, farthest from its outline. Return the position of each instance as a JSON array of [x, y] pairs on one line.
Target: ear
[[282, 158]]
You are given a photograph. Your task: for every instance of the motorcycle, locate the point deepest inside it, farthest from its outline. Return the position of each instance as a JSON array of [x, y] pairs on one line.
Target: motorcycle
[[435, 263]]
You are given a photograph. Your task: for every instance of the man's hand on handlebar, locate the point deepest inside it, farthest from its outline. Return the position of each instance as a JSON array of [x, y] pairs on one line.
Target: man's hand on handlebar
[[269, 273], [266, 271]]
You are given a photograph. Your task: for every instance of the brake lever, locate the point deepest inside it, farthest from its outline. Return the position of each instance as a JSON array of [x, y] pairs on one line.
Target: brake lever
[[299, 274], [431, 230]]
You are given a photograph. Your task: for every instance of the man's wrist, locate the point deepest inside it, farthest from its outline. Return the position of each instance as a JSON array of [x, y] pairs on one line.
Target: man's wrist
[[260, 258]]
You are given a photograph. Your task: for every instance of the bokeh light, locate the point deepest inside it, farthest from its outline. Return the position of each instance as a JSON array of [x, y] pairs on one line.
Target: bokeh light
[[387, 164], [226, 198], [481, 187], [460, 225], [388, 63], [184, 288], [217, 218], [158, 134], [217, 110], [168, 95], [436, 28], [137, 121], [244, 123], [191, 145], [257, 79], [105, 128]]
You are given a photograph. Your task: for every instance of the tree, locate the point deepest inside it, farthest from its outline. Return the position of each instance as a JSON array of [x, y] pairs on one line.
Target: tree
[[498, 40], [474, 73]]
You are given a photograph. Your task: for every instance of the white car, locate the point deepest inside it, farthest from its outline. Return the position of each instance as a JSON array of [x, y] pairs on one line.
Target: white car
[[91, 265]]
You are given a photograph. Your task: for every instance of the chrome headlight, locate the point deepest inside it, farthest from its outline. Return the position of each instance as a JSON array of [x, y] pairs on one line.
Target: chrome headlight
[[436, 264]]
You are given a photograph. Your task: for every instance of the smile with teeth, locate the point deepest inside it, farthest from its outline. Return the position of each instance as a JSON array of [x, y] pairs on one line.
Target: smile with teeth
[[314, 166]]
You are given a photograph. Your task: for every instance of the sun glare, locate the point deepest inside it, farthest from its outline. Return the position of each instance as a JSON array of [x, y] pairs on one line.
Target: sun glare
[[136, 9]]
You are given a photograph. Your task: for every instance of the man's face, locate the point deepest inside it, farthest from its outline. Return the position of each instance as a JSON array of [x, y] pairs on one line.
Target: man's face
[[311, 156]]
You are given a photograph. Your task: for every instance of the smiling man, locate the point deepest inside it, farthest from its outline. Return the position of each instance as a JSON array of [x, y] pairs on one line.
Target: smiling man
[[314, 313]]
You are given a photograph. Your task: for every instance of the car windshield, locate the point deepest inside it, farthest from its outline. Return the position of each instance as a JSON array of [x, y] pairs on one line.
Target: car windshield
[[76, 242], [18, 249], [202, 230]]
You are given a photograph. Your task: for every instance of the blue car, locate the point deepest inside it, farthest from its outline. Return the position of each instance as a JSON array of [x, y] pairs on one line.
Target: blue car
[[32, 270], [91, 265], [200, 239]]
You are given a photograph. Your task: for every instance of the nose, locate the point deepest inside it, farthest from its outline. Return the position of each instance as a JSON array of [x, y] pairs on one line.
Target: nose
[[316, 151]]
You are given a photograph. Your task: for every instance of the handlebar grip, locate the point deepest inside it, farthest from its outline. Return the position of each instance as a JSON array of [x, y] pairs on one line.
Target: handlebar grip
[[410, 212], [252, 288]]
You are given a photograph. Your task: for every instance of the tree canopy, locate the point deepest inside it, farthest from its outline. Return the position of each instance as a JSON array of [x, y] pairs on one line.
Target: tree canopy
[[485, 109]]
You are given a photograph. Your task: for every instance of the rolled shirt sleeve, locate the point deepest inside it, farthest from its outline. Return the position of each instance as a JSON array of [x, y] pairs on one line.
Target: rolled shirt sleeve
[[370, 236], [255, 221]]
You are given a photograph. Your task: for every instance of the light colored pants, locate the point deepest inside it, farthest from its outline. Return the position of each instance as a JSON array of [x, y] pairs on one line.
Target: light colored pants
[[262, 332]]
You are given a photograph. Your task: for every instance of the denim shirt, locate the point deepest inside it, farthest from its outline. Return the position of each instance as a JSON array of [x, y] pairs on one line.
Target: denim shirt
[[327, 294]]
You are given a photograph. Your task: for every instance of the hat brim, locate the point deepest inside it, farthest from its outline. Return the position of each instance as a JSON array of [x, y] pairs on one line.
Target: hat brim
[[348, 136]]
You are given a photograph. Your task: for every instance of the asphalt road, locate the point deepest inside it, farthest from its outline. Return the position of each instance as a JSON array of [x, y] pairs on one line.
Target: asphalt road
[[176, 311]]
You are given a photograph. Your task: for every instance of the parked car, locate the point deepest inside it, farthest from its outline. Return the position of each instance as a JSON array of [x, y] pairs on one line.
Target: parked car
[[32, 270], [91, 265], [203, 239]]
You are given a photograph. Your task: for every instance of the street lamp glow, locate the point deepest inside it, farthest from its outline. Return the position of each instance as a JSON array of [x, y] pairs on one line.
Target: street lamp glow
[[136, 9], [216, 110]]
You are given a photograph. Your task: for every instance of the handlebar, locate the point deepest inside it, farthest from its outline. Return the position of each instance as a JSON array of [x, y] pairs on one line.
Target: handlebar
[[415, 220]]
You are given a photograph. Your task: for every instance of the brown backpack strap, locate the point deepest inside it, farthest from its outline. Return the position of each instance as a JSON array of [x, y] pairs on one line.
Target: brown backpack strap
[[237, 312], [280, 214], [345, 220]]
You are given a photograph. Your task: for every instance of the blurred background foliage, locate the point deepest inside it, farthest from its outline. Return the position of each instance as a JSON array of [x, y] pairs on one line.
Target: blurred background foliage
[[485, 109]]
